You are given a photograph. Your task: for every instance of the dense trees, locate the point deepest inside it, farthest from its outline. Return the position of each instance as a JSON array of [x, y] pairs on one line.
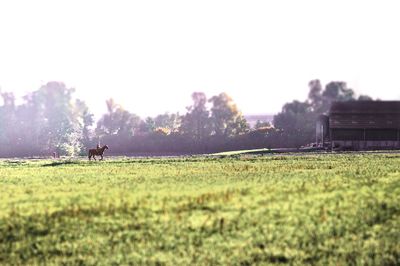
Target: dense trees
[[226, 119], [196, 123], [51, 120], [47, 121], [117, 122], [296, 121]]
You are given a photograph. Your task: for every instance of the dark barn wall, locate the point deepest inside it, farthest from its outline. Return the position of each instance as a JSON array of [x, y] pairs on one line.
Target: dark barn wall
[[365, 134], [368, 125]]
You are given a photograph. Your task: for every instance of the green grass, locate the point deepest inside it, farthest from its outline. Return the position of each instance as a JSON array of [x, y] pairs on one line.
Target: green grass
[[318, 209]]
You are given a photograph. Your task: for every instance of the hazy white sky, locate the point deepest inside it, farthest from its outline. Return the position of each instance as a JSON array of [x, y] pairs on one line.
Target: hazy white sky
[[151, 55]]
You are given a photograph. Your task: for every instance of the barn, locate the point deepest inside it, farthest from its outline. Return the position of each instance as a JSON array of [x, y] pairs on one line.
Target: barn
[[361, 125]]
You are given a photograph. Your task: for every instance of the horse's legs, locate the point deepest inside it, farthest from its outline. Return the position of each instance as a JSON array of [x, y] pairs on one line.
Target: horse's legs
[[101, 157]]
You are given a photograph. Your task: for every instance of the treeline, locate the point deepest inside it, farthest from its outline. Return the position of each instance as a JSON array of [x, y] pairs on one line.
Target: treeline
[[50, 120], [297, 120]]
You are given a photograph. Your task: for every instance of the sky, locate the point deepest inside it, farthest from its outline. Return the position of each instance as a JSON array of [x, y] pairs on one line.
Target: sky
[[150, 56]]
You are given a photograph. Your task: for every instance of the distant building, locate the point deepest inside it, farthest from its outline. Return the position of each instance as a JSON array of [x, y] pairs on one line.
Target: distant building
[[360, 125]]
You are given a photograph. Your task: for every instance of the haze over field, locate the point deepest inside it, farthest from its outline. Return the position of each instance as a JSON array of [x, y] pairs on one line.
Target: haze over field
[[151, 55], [221, 124]]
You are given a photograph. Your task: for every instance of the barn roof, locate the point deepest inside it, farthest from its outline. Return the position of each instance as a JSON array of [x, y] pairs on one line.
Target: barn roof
[[365, 107], [365, 114]]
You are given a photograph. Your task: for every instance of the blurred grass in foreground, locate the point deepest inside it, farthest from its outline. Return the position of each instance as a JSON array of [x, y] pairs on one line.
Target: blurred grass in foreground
[[319, 209]]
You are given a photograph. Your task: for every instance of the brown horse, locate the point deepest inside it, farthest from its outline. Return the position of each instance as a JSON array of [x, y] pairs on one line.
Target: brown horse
[[98, 151]]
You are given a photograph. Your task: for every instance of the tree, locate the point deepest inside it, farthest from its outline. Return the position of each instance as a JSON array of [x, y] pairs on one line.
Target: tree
[[147, 126], [49, 121], [48, 117], [297, 119], [296, 122], [196, 123], [226, 119], [85, 120], [315, 94], [170, 122], [8, 120], [321, 100], [117, 121], [335, 91]]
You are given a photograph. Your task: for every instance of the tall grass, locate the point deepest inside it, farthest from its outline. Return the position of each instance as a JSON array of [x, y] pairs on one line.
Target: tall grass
[[243, 210]]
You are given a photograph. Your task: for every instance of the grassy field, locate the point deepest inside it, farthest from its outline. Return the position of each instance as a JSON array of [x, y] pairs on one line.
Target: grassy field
[[341, 209]]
